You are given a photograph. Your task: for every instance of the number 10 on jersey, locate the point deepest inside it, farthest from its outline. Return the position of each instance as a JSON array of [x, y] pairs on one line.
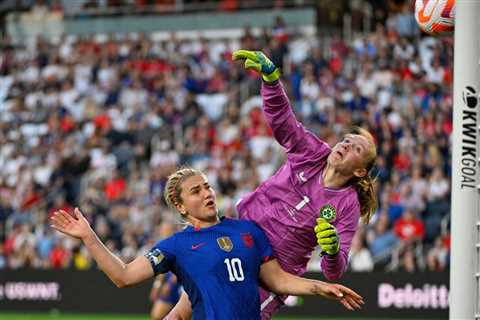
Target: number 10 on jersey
[[234, 268]]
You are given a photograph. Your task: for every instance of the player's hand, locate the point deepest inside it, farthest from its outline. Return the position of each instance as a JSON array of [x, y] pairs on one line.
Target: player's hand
[[349, 298], [75, 226], [258, 61], [327, 237]]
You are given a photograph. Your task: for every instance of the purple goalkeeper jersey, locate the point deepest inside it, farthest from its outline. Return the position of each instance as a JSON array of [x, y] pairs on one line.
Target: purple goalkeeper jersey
[[287, 204]]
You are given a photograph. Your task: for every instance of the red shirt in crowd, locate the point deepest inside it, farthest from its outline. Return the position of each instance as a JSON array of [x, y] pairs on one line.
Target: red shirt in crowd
[[115, 188], [58, 257], [407, 229]]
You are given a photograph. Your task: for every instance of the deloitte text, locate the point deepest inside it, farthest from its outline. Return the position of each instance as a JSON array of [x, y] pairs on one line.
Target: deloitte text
[[469, 137], [427, 297]]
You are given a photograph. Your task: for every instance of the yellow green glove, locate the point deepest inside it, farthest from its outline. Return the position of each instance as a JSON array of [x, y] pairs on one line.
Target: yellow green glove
[[259, 62], [327, 237]]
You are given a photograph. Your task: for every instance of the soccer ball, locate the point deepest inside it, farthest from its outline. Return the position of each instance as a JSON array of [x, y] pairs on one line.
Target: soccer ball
[[435, 17]]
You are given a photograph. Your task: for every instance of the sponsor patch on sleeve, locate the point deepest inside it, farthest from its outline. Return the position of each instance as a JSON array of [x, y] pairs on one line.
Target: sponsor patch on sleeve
[[155, 256]]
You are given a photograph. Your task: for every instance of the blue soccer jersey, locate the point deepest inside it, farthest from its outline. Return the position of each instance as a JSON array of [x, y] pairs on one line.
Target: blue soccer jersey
[[218, 267]]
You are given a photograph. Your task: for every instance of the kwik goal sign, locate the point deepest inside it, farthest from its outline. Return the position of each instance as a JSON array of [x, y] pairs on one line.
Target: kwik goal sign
[[470, 133]]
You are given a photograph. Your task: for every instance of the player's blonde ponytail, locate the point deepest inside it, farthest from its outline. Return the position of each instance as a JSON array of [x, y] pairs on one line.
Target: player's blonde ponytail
[[365, 186], [173, 189]]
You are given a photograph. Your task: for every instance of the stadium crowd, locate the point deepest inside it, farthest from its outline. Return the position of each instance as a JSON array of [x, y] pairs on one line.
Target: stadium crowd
[[100, 125]]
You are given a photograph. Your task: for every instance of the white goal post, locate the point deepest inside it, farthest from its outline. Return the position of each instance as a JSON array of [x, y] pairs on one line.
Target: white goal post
[[465, 206]]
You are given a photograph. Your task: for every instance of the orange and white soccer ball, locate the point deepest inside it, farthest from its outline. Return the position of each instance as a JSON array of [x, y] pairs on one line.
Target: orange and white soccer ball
[[435, 17]]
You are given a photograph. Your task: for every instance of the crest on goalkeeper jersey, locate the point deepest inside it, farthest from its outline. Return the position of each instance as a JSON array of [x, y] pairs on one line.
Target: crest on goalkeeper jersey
[[328, 212]]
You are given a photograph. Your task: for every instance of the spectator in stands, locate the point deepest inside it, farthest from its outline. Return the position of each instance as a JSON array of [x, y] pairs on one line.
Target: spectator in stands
[[60, 256], [408, 260], [381, 238], [81, 258], [3, 259], [438, 204], [437, 256], [360, 259], [409, 228]]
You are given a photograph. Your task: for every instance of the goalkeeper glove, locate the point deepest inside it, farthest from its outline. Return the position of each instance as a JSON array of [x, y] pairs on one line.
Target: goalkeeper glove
[[259, 62], [327, 237]]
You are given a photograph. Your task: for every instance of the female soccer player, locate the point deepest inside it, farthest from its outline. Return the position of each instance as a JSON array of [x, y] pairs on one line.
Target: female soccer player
[[219, 262], [315, 198], [318, 189]]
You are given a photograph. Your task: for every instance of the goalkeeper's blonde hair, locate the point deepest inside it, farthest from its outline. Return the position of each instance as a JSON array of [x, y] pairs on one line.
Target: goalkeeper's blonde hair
[[365, 186]]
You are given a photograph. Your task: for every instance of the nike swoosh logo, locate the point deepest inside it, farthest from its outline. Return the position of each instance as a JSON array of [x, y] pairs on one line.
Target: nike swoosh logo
[[196, 246]]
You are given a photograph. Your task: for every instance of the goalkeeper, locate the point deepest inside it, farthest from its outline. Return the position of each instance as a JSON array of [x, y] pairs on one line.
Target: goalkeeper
[[316, 198]]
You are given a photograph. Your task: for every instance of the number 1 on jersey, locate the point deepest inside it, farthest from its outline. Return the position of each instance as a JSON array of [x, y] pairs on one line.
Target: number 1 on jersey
[[234, 268]]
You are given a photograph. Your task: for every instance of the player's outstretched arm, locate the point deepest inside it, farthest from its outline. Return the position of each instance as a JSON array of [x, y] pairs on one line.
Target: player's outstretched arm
[[121, 274], [182, 310], [284, 283], [288, 132]]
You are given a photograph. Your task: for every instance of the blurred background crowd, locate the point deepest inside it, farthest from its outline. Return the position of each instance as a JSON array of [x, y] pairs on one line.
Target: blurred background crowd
[[101, 124]]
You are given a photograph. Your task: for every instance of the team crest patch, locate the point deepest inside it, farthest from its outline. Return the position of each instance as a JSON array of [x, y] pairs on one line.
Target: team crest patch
[[225, 244], [155, 256], [247, 240], [328, 212]]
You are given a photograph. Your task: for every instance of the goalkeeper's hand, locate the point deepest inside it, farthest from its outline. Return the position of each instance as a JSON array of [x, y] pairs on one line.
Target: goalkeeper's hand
[[327, 237], [256, 60]]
